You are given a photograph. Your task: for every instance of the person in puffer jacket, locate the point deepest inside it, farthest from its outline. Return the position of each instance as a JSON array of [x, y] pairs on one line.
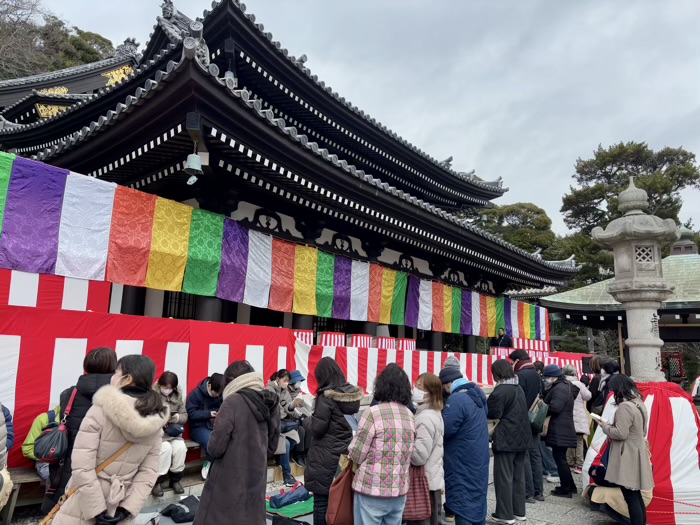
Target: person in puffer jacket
[[203, 405], [335, 399], [126, 412], [574, 456]]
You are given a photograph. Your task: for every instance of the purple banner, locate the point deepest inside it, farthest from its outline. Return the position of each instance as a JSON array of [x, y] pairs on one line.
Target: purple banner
[[234, 262], [341, 288], [29, 239], [466, 312], [507, 316], [538, 328], [412, 301]]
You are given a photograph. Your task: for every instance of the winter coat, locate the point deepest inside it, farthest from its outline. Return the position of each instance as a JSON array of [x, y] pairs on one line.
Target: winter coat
[[200, 405], [38, 426], [60, 473], [596, 400], [529, 380], [3, 443], [629, 464], [10, 426], [581, 422], [429, 447], [466, 451], [245, 435], [112, 422], [560, 397], [176, 406], [284, 399], [331, 435], [507, 404]]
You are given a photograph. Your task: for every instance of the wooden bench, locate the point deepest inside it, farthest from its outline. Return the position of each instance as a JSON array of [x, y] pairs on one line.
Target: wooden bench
[[33, 492]]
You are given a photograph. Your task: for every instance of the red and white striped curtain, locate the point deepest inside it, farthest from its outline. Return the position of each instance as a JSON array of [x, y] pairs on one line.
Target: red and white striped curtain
[[361, 340], [535, 355], [305, 336], [530, 344], [387, 343], [406, 344], [331, 339]]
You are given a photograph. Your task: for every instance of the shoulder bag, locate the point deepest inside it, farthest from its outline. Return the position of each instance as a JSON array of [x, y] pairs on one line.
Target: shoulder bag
[[52, 444], [49, 518], [340, 499], [538, 414], [418, 498]]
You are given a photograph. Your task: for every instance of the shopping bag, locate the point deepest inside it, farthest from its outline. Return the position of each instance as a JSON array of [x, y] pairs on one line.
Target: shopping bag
[[418, 498], [340, 499], [537, 414]]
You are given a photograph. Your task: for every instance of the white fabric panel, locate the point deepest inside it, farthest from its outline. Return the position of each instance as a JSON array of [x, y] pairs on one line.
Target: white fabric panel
[[437, 362], [218, 358], [353, 374], [68, 357], [359, 291], [514, 320], [176, 357], [255, 355], [282, 358], [75, 294], [425, 305], [372, 364], [408, 363], [115, 299], [476, 314], [9, 364], [543, 323], [473, 372], [423, 363], [24, 289], [302, 359], [685, 475], [463, 364], [391, 357], [86, 219], [259, 272], [128, 347], [328, 351]]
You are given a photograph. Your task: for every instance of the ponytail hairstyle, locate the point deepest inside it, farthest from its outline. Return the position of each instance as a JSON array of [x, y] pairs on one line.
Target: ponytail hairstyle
[[142, 371]]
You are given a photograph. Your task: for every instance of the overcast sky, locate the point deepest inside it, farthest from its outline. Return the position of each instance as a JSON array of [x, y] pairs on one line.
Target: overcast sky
[[511, 88]]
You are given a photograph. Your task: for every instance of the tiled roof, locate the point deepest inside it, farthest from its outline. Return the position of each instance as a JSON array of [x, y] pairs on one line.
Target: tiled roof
[[55, 96], [681, 271], [531, 292], [61, 73]]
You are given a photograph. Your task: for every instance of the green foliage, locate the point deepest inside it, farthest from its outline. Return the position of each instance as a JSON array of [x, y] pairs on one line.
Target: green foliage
[[595, 261], [523, 224], [571, 343], [599, 180]]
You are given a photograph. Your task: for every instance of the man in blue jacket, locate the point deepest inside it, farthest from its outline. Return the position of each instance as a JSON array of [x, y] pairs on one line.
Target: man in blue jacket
[[466, 443], [203, 404]]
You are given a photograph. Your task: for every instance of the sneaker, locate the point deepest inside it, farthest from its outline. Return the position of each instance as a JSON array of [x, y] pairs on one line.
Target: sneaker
[[290, 481], [449, 518], [205, 469], [501, 520], [520, 518], [578, 470], [553, 479], [539, 496]]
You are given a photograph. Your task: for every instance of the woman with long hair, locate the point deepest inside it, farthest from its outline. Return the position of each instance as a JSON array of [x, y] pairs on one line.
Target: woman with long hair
[[510, 441], [382, 449], [335, 399], [428, 450], [289, 422], [631, 472], [99, 366], [244, 437], [124, 425], [173, 449]]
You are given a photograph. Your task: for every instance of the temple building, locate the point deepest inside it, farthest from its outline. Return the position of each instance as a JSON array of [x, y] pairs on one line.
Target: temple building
[[216, 114]]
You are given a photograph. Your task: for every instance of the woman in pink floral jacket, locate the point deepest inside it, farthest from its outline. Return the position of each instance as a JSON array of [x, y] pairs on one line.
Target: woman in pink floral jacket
[[382, 450]]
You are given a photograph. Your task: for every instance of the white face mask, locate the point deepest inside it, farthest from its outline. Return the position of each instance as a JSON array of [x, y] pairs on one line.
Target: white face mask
[[166, 391], [418, 396]]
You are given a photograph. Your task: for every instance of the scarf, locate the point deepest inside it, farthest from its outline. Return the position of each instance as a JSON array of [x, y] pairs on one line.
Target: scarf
[[511, 381], [252, 380], [523, 364]]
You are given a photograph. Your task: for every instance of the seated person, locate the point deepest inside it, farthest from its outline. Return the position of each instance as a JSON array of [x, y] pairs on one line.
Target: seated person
[[610, 501], [300, 451], [203, 403], [41, 422], [289, 422]]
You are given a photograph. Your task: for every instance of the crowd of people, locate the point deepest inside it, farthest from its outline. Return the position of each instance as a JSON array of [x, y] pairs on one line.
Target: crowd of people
[[125, 440]]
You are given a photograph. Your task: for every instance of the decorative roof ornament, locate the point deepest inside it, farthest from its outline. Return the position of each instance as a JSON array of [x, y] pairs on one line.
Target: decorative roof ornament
[[195, 47], [447, 163], [168, 10], [129, 49]]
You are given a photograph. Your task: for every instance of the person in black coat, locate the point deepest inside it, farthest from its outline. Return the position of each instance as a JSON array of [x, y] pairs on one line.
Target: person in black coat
[[99, 365], [335, 399], [510, 441], [503, 340], [203, 405], [530, 381], [559, 396]]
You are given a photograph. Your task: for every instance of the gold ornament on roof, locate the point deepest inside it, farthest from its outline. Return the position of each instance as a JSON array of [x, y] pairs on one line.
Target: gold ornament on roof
[[118, 75], [48, 111], [57, 90]]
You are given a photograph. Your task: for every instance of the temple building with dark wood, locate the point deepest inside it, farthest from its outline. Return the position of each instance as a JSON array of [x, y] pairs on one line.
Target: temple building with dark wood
[[280, 152]]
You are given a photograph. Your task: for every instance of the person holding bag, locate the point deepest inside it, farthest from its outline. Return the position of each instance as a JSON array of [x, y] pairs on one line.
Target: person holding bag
[[117, 451], [511, 441], [428, 449]]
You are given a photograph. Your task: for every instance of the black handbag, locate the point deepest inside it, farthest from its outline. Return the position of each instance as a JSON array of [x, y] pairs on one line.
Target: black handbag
[[52, 445], [174, 430], [287, 425]]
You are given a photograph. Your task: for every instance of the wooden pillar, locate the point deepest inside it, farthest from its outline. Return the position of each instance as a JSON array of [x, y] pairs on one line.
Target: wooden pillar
[[208, 309], [436, 341], [133, 300]]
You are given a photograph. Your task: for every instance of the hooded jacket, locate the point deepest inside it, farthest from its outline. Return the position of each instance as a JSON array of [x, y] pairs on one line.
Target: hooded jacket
[[560, 397], [176, 406], [60, 473], [466, 451], [200, 405], [245, 434], [284, 398], [581, 422], [331, 435], [112, 422], [429, 447]]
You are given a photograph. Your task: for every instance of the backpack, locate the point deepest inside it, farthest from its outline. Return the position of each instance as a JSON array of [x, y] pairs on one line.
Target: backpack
[[52, 445]]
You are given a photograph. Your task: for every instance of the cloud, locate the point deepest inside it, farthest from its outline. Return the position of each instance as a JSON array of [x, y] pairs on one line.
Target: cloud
[[511, 88]]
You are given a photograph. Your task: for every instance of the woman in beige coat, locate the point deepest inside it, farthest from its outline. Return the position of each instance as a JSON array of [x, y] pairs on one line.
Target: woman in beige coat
[[629, 465], [127, 411]]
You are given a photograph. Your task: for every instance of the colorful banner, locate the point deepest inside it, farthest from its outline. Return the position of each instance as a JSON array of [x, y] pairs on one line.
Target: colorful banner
[[93, 230]]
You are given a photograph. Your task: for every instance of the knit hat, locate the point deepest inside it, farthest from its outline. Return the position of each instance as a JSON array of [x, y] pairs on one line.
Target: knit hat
[[552, 371], [452, 362], [447, 375], [296, 377]]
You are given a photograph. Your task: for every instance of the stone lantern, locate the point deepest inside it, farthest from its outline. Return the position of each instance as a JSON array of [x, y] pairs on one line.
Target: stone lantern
[[637, 239]]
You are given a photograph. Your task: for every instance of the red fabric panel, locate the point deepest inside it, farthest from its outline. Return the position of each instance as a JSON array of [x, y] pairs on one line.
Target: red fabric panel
[[489, 374], [98, 296], [445, 355], [130, 236], [5, 277], [314, 357], [271, 362], [50, 292], [376, 274], [156, 349], [362, 368], [400, 360], [341, 357], [282, 287], [438, 307], [381, 360], [415, 366]]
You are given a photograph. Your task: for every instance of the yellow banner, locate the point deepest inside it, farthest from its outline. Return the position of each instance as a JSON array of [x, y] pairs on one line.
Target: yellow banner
[[388, 284], [305, 270], [169, 245]]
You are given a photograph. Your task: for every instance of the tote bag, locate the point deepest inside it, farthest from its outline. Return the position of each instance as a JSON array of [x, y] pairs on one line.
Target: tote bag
[[340, 497], [418, 498]]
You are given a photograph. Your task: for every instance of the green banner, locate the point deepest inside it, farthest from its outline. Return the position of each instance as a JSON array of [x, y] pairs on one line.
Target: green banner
[[204, 253], [398, 303], [456, 309], [500, 314], [6, 161], [324, 284]]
